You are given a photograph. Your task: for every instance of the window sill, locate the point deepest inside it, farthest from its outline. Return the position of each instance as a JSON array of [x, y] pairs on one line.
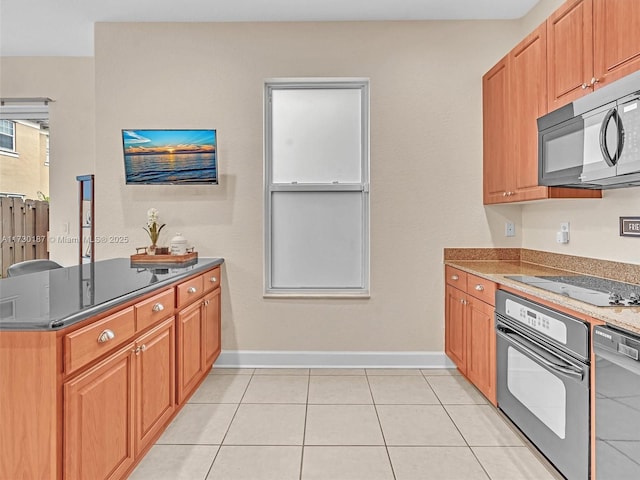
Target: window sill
[[365, 295], [9, 153]]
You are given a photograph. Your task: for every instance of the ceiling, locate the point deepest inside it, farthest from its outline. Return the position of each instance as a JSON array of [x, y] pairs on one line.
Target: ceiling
[[65, 27]]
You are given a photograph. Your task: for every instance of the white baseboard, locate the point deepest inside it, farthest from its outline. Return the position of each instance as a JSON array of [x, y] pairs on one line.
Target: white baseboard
[[291, 359]]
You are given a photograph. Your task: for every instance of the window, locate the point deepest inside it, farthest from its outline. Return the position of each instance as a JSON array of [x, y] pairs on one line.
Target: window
[[317, 187], [7, 135]]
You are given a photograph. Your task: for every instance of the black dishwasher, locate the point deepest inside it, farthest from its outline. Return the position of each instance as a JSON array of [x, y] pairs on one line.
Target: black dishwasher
[[617, 386]]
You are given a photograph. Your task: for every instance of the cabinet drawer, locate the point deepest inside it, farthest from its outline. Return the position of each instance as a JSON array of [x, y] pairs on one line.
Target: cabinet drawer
[[211, 279], [154, 309], [482, 289], [455, 277], [90, 342], [190, 290]]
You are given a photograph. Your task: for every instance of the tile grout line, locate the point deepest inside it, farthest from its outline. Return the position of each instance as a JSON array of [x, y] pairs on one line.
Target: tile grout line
[[384, 439], [458, 430], [227, 431], [304, 429]]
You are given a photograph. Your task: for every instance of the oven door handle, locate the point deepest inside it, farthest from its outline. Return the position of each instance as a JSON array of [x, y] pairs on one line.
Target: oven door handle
[[534, 352]]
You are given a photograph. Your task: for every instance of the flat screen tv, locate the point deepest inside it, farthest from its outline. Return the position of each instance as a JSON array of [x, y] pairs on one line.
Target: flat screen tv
[[170, 157]]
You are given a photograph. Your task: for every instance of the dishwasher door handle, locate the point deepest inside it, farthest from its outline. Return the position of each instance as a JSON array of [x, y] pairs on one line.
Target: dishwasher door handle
[[530, 349]]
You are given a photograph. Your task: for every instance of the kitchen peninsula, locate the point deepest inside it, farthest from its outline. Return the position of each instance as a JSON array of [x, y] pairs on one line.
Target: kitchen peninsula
[[95, 361]]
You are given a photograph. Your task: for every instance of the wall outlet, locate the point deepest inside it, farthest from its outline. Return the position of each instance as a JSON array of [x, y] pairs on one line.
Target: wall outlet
[[509, 229]]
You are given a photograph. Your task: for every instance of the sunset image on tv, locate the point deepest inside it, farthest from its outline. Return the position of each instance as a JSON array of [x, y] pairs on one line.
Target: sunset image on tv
[[170, 156]]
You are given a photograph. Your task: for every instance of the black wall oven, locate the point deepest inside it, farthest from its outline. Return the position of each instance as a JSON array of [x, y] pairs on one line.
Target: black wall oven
[[543, 380]]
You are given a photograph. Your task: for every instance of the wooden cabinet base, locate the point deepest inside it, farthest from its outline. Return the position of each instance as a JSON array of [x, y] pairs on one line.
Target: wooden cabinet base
[[30, 401], [98, 417], [469, 329]]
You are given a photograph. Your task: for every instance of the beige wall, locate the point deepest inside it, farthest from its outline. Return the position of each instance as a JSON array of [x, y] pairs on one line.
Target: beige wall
[[426, 162], [69, 81], [25, 172], [537, 15]]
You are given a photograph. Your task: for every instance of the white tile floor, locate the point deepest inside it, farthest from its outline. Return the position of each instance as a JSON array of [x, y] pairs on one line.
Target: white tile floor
[[334, 424]]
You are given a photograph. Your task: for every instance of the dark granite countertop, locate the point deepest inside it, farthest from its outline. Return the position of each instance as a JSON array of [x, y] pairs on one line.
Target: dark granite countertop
[[58, 298]]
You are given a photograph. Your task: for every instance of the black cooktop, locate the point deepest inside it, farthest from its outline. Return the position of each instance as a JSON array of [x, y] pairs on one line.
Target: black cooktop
[[594, 290]]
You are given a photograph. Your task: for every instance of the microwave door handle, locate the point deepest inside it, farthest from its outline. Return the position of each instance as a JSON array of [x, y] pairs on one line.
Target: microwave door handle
[[604, 148], [620, 127], [529, 349]]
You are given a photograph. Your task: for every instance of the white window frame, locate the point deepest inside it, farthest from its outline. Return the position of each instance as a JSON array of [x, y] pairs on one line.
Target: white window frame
[[13, 137], [270, 187]]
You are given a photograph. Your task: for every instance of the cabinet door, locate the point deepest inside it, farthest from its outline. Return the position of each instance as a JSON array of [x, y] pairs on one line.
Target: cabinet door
[[211, 326], [616, 39], [190, 363], [496, 150], [481, 348], [569, 52], [98, 420], [155, 381], [455, 333], [528, 94]]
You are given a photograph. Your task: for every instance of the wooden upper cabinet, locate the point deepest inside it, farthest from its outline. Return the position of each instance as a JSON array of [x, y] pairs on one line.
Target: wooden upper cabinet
[[514, 95], [495, 133], [591, 43], [528, 89], [616, 30], [570, 52]]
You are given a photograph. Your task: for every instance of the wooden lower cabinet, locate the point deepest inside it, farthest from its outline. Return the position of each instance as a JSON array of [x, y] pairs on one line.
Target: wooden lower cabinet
[[98, 419], [190, 353], [87, 402], [469, 332], [198, 342], [155, 382], [211, 337], [481, 347], [115, 409], [455, 328]]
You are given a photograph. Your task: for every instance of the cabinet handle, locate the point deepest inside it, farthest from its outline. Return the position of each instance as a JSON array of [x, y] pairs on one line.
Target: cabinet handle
[[504, 194], [213, 279], [158, 307], [192, 290], [591, 84], [479, 288], [139, 349], [106, 335], [455, 277]]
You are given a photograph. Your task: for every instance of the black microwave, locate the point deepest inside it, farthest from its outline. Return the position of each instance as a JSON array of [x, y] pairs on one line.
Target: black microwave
[[593, 142]]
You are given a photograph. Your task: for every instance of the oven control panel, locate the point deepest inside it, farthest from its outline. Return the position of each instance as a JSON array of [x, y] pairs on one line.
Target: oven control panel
[[549, 326]]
